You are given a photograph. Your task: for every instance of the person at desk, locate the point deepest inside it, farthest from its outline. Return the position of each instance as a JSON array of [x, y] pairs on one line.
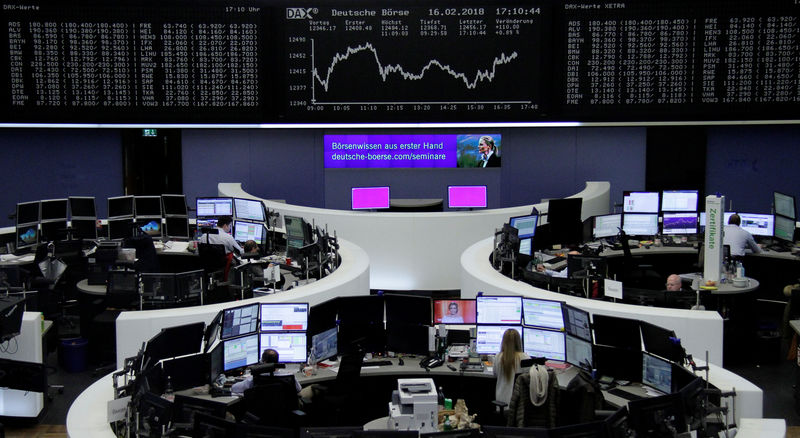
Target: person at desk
[[507, 364], [674, 283], [488, 151], [268, 356], [564, 273], [223, 236], [739, 239], [453, 316]]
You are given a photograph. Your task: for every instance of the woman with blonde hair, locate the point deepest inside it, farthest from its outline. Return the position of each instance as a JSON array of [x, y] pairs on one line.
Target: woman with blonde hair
[[507, 364]]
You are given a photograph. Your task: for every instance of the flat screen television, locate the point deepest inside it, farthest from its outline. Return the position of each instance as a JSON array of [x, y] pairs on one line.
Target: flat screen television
[[679, 200], [54, 209], [369, 198], [640, 202], [607, 225], [466, 197], [544, 343], [454, 312], [249, 209], [525, 225], [214, 207], [784, 205], [173, 205], [679, 223], [120, 206], [82, 207], [147, 206]]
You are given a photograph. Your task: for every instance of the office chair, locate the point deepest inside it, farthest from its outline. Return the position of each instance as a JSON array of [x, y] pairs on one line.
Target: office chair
[[216, 264], [273, 401], [122, 293], [637, 274], [337, 404], [521, 410]]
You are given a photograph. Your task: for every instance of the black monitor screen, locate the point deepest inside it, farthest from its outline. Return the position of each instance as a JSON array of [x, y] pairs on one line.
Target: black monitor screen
[[239, 321], [577, 323], [152, 226], [187, 371], [404, 338], [27, 212], [784, 205], [249, 209], [408, 309], [53, 209], [617, 332], [618, 363], [363, 309], [175, 341], [322, 316], [159, 286], [661, 342], [211, 207], [174, 205], [121, 206], [84, 228], [82, 206], [177, 227], [149, 206], [564, 217], [579, 264], [120, 228], [54, 230], [324, 345], [651, 416]]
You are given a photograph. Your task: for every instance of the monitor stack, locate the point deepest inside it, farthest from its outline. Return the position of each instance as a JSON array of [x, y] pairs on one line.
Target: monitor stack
[[176, 219], [249, 221], [148, 214], [83, 217]]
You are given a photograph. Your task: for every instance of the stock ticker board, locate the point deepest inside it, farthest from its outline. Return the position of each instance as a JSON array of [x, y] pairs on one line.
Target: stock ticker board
[[399, 62]]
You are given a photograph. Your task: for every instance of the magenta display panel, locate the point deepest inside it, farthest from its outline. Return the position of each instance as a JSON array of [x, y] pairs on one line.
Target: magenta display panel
[[408, 151], [366, 198], [466, 196]]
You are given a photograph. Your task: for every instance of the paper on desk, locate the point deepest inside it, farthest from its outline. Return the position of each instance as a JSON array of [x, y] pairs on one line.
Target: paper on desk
[[176, 247], [13, 258]]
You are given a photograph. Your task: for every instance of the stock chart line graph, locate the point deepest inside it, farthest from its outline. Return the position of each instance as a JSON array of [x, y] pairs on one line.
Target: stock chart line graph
[[470, 82]]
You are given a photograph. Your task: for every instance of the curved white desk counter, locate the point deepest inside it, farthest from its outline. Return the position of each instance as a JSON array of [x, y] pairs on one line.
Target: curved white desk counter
[[88, 413], [351, 278], [419, 251]]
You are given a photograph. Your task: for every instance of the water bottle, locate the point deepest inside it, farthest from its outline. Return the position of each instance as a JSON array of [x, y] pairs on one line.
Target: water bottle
[[169, 393], [440, 398]]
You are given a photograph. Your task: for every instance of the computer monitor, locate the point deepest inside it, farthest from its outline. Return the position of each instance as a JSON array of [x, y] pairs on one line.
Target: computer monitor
[[640, 224], [466, 197], [784, 228], [173, 205], [120, 228], [579, 352], [619, 363], [291, 347], [239, 321], [249, 209], [784, 205], [54, 209], [206, 223], [297, 232], [657, 373], [542, 313], [284, 317], [158, 286], [53, 230], [84, 228], [525, 225], [408, 309], [526, 246], [176, 227], [369, 198], [489, 338], [544, 343], [679, 223], [499, 310], [147, 206], [27, 213], [679, 200], [187, 371], [617, 332], [580, 265], [175, 341], [324, 345], [189, 284], [240, 352], [725, 218], [758, 224], [607, 225], [244, 231], [454, 312], [82, 207], [366, 309], [150, 226], [27, 235], [657, 416], [214, 207], [661, 342], [576, 322], [407, 339], [640, 202], [120, 206]]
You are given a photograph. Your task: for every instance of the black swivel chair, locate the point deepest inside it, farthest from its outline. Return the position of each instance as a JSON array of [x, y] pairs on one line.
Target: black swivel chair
[[273, 401], [337, 403], [215, 262], [122, 293], [635, 273]]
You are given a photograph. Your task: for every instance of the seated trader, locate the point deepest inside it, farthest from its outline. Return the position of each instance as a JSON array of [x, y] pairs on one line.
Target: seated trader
[[739, 239], [268, 356], [674, 283], [223, 236], [507, 364]]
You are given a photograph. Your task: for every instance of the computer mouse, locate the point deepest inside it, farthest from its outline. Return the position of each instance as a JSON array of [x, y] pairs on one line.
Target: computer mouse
[[400, 361]]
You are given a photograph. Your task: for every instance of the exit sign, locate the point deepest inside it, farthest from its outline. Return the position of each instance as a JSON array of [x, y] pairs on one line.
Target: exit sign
[[152, 132]]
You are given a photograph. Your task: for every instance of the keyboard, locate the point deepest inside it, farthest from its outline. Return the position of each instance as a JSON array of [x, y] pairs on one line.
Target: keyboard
[[376, 363], [624, 394], [555, 263]]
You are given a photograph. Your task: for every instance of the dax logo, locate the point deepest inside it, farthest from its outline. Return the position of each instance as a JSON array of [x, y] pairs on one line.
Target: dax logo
[[301, 13]]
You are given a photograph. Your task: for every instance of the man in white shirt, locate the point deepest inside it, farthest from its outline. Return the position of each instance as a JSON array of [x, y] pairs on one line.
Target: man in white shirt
[[738, 238], [223, 236]]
